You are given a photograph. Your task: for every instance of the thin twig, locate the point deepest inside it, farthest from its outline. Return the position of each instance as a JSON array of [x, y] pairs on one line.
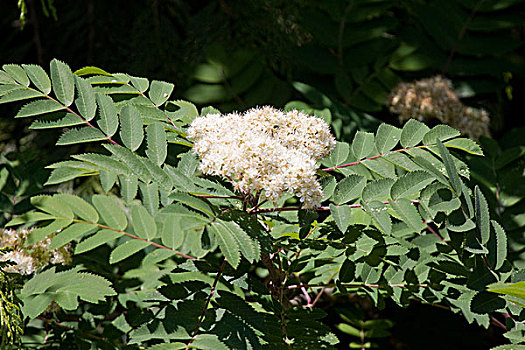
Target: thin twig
[[434, 232], [497, 323], [461, 34], [208, 300]]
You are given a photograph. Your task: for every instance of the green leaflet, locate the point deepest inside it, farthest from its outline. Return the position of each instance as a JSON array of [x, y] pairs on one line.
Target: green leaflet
[[157, 145], [52, 205], [410, 184], [349, 188], [441, 132], [131, 131], [149, 113], [74, 231], [64, 288], [75, 164], [62, 82], [443, 200], [192, 202], [387, 137], [466, 145], [426, 164], [186, 113], [452, 172], [17, 73], [19, 94], [516, 289], [380, 166], [172, 234], [159, 92], [56, 120], [377, 190], [132, 160], [341, 214], [39, 107], [178, 346], [249, 247], [38, 77], [500, 251], [458, 222], [482, 215], [91, 70], [188, 163], [208, 342], [378, 211], [157, 256], [227, 243], [110, 211], [328, 184], [107, 115], [408, 213], [79, 206], [162, 177], [126, 249], [96, 240], [29, 217], [42, 232], [85, 102], [143, 223], [141, 84], [6, 79], [401, 160], [339, 154], [150, 196], [107, 179], [412, 133], [484, 302], [347, 271], [363, 144], [128, 187], [4, 89], [180, 181], [101, 161], [80, 135]]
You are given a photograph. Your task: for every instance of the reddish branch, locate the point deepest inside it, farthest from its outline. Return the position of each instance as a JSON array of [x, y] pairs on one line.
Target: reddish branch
[[137, 237], [85, 121]]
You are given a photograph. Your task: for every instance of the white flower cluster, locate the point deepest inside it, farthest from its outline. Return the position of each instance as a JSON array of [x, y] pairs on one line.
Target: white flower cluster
[[32, 257], [264, 151]]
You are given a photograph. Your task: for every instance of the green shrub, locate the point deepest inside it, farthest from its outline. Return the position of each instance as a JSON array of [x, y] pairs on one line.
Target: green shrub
[[167, 257]]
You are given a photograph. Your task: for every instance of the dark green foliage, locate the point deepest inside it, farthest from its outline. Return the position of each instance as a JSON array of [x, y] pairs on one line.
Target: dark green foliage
[[181, 258]]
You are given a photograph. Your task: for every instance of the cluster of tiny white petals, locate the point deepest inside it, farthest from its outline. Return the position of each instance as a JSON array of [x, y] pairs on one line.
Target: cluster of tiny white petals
[[434, 98], [264, 150], [30, 258]]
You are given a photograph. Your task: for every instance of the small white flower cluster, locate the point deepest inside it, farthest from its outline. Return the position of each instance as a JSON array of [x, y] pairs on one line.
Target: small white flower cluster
[[264, 151], [32, 257]]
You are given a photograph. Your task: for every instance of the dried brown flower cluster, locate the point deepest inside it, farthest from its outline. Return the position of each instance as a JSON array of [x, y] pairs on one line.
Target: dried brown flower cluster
[[434, 98], [32, 257]]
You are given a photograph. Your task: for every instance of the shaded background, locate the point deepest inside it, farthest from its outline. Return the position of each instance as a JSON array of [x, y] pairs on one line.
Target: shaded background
[[238, 54]]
